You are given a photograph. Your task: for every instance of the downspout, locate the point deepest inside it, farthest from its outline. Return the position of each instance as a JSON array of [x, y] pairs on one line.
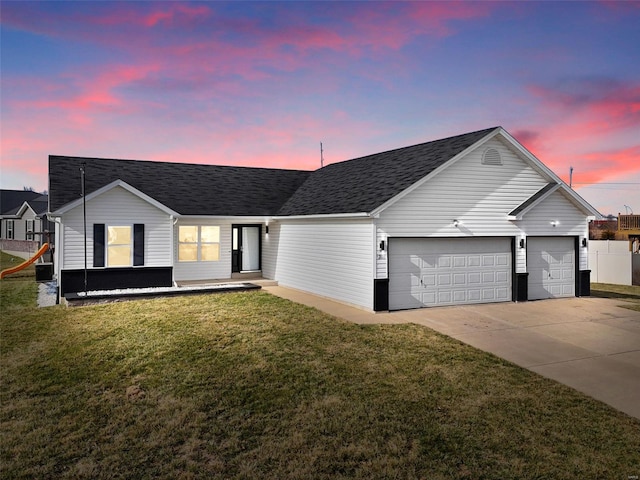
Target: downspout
[[172, 226]]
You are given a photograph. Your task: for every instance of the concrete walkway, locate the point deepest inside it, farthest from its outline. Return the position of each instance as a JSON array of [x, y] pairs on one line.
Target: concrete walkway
[[587, 343]]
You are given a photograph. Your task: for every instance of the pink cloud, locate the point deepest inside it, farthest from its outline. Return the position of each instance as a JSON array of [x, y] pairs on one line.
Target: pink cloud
[[600, 165], [78, 97], [590, 124], [600, 104]]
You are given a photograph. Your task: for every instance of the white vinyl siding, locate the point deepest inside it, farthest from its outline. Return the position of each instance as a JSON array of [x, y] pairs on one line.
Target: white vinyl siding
[[116, 207], [332, 258], [270, 250], [569, 222], [478, 196], [205, 270]]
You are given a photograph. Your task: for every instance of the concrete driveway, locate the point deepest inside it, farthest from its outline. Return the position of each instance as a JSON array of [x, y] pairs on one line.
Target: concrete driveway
[[587, 343]]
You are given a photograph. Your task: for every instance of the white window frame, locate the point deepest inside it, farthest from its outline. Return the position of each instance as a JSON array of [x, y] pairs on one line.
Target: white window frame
[[110, 245], [10, 229], [198, 243], [29, 228]]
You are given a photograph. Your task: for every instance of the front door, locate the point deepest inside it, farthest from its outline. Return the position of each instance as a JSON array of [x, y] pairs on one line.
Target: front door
[[245, 252]]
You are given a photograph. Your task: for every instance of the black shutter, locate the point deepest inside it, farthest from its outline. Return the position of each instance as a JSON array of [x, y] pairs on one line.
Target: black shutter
[[138, 244], [98, 244]]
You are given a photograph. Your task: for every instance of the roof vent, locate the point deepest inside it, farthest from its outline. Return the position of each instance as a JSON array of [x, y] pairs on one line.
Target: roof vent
[[491, 156]]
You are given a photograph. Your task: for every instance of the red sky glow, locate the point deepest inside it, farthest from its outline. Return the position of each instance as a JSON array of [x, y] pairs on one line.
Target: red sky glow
[[263, 83]]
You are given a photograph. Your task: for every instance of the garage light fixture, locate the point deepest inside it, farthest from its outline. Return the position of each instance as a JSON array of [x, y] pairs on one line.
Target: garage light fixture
[[455, 223], [522, 244], [554, 223], [584, 242], [382, 245], [266, 230]]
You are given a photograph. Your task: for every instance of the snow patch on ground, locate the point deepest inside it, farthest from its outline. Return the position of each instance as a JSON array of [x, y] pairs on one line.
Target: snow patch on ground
[[159, 290]]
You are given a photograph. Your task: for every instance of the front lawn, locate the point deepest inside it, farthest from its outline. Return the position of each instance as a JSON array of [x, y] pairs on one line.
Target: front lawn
[[630, 294], [248, 385]]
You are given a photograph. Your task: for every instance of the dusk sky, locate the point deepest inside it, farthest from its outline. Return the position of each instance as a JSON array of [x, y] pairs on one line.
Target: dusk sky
[[262, 84]]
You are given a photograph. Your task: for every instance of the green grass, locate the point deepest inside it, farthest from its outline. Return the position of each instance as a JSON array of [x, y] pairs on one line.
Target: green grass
[[248, 385], [630, 294]]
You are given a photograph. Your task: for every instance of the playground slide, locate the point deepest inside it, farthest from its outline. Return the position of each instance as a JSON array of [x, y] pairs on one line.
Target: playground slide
[[26, 263]]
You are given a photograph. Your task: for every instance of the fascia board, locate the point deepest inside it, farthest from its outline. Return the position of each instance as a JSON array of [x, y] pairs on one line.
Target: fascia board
[[377, 211], [327, 216], [110, 186], [569, 192], [530, 157], [580, 202], [22, 209], [535, 203], [232, 218]]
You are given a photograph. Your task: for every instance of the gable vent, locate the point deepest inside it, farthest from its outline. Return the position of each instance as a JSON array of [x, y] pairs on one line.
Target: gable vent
[[491, 156]]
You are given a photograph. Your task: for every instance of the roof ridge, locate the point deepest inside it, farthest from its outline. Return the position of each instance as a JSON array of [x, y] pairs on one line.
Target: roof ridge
[[398, 149], [157, 162]]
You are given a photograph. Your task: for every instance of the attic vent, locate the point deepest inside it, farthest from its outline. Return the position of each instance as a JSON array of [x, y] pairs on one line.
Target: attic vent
[[491, 157]]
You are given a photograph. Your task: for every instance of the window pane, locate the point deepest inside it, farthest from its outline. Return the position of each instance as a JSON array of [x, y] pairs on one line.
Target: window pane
[[119, 256], [119, 236], [210, 234], [188, 252], [210, 252], [187, 234]]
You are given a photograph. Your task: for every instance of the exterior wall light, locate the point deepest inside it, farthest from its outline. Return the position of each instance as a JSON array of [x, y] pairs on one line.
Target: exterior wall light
[[382, 245], [522, 243], [456, 223], [266, 230], [584, 242], [554, 223]]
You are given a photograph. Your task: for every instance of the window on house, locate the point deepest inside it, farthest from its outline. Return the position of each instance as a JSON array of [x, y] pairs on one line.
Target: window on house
[[29, 229], [198, 243], [10, 229], [119, 246]]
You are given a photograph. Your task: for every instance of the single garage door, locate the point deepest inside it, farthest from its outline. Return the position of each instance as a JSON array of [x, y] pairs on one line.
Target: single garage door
[[448, 271], [551, 267]]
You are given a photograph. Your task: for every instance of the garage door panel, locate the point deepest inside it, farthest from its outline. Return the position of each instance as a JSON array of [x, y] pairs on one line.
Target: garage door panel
[[459, 261], [460, 279], [551, 267], [453, 271]]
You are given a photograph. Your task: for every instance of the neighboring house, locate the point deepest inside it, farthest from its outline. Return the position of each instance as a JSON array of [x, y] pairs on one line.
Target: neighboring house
[[622, 227], [473, 218], [23, 217]]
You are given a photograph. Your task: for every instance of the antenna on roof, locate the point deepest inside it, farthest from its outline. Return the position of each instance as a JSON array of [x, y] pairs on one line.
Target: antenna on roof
[[321, 156], [570, 176]]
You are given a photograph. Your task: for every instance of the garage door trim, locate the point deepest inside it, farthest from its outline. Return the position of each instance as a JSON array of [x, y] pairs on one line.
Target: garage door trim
[[435, 271]]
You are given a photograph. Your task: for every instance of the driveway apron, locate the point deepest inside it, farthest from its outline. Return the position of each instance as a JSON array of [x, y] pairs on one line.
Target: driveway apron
[[590, 344]]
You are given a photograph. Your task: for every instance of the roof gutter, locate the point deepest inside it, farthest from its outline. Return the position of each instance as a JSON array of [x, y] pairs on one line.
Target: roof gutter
[[323, 216]]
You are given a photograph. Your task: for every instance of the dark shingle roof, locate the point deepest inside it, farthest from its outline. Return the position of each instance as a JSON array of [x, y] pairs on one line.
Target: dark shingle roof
[[12, 200], [531, 200], [188, 189], [39, 206], [352, 186], [362, 184]]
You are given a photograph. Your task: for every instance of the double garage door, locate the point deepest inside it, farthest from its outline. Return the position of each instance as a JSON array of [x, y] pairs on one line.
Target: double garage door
[[459, 271]]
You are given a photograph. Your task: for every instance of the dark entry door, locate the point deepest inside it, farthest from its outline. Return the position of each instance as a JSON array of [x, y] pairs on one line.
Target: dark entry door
[[245, 251]]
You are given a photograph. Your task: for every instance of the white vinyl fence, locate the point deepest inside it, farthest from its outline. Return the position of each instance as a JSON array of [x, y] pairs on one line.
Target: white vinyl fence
[[611, 261]]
